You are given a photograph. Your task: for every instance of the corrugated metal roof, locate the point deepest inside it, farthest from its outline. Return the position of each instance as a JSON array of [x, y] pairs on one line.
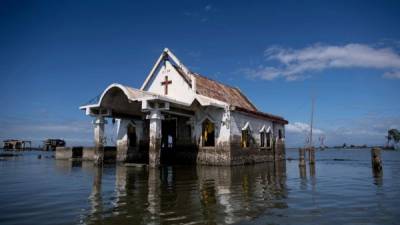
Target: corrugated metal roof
[[225, 93], [216, 90]]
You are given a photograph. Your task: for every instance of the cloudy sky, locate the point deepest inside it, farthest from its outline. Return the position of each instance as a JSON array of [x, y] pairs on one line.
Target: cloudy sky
[[57, 55]]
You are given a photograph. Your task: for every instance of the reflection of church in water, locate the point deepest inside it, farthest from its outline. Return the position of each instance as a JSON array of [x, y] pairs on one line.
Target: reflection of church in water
[[181, 195], [180, 116]]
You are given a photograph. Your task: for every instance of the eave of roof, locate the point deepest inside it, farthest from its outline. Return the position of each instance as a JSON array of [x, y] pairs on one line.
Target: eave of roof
[[263, 115], [222, 92]]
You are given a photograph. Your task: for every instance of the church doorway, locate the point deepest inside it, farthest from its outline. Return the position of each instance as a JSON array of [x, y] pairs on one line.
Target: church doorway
[[132, 138], [168, 140]]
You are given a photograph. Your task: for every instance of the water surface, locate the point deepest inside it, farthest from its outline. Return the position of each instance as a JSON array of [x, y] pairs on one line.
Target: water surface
[[340, 189]]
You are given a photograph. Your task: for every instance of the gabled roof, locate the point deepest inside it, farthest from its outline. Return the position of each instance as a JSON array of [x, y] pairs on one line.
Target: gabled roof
[[217, 90], [212, 89]]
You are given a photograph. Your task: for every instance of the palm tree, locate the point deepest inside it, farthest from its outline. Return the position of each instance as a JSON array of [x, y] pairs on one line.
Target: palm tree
[[393, 135]]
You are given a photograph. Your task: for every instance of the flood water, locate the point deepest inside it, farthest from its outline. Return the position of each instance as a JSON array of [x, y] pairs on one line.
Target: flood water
[[340, 189]]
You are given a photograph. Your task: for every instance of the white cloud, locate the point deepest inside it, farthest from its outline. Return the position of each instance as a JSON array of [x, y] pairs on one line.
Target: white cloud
[[297, 134], [301, 128], [369, 129], [295, 64]]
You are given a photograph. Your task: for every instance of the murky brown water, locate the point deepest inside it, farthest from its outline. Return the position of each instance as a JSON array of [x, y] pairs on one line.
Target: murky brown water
[[340, 189]]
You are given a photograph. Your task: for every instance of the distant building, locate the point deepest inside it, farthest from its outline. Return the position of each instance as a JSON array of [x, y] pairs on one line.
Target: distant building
[[182, 116], [52, 144], [13, 144]]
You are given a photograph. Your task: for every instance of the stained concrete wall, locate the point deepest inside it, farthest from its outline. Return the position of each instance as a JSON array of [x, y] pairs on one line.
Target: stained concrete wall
[[227, 149], [84, 153], [88, 154], [220, 153], [228, 134], [63, 153], [254, 153], [124, 151]]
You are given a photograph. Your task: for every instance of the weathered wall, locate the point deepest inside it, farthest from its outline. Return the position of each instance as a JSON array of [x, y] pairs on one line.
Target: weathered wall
[[254, 153], [189, 149], [220, 153], [185, 151], [124, 151], [85, 153], [88, 154], [63, 153]]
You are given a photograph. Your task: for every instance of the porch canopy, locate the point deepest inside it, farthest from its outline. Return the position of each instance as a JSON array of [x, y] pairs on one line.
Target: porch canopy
[[119, 101]]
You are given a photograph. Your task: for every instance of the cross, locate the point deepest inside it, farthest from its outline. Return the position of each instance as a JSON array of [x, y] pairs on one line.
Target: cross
[[166, 83]]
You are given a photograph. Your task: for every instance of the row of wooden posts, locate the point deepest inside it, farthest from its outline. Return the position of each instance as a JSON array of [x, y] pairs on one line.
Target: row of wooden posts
[[375, 158], [302, 156]]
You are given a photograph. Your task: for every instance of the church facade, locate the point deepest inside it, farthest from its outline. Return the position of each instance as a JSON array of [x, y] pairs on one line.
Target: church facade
[[178, 116]]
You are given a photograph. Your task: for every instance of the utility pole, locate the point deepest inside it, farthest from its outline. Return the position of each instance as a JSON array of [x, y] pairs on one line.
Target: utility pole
[[312, 121], [311, 150]]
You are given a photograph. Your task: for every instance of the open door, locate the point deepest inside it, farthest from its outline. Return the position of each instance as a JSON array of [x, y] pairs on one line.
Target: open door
[[168, 140]]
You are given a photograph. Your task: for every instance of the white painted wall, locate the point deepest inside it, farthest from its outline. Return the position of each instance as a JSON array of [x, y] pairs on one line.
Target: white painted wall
[[217, 115], [279, 127], [239, 120], [178, 89], [122, 134]]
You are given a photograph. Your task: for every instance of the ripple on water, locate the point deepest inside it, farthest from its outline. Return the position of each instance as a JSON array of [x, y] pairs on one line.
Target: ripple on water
[[333, 192]]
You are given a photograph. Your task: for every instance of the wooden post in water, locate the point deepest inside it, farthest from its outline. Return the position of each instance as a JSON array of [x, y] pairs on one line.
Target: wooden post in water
[[376, 159], [302, 155], [311, 155]]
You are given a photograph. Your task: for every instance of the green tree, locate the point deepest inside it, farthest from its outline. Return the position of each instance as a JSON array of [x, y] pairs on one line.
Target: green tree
[[393, 135]]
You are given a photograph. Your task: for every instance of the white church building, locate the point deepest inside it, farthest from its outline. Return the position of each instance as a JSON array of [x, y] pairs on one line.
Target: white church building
[[179, 116]]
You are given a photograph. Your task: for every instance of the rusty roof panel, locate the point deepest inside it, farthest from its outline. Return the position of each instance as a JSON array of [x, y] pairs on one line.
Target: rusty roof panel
[[231, 95], [222, 92]]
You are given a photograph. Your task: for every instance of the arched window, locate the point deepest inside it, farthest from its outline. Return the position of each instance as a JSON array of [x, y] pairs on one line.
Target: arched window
[[269, 139], [208, 133], [265, 137], [246, 135], [262, 139], [131, 136]]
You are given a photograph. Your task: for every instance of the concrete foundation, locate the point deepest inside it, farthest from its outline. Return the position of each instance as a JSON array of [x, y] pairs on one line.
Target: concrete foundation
[[85, 153], [69, 152], [230, 154]]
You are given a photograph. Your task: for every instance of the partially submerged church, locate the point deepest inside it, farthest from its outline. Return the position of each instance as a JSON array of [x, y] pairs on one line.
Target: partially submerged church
[[178, 116]]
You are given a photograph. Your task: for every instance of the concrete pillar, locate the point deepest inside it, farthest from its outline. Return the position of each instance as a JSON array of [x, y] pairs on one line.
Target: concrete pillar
[[122, 140], [303, 172], [279, 149], [311, 155], [120, 184], [95, 197], [99, 123], [153, 196], [302, 156], [155, 118], [280, 168], [312, 170]]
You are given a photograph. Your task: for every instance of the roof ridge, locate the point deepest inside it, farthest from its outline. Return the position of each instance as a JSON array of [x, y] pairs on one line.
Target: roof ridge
[[208, 78]]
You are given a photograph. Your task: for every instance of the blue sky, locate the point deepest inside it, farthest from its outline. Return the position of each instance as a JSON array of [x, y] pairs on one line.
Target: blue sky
[[57, 55]]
